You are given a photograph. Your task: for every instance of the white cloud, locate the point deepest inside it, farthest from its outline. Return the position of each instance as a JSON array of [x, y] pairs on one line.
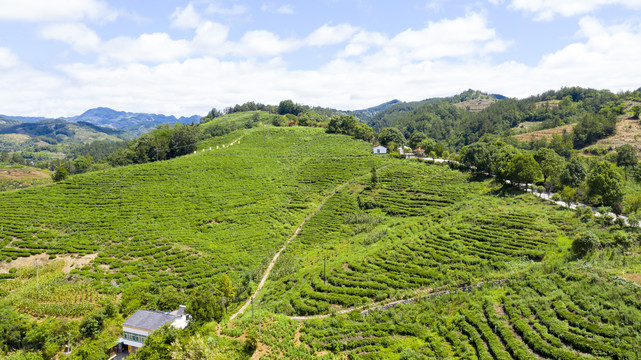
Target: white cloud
[[211, 38], [264, 43], [362, 42], [7, 58], [216, 8], [468, 36], [155, 47], [79, 36], [283, 9], [329, 35], [47, 10], [547, 9], [155, 73], [186, 18]]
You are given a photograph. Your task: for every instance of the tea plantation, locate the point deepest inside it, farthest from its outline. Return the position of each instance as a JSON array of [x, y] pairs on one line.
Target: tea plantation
[[403, 260], [222, 209]]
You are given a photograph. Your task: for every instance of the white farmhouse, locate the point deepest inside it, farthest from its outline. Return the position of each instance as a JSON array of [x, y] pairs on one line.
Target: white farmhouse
[[143, 322], [380, 150]]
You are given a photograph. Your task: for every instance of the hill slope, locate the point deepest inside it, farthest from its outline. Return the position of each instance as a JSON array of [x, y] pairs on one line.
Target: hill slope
[[132, 123], [16, 136], [227, 208]]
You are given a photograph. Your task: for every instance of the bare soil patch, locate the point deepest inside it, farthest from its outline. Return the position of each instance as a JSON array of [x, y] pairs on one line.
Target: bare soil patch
[[547, 133], [628, 132], [635, 277], [71, 261], [261, 350], [475, 105], [22, 174]]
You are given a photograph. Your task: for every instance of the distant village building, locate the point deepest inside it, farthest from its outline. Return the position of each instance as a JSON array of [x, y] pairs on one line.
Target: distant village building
[[380, 150], [142, 323]]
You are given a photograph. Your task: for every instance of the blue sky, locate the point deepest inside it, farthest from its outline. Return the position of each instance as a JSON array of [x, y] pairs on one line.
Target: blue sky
[[60, 58]]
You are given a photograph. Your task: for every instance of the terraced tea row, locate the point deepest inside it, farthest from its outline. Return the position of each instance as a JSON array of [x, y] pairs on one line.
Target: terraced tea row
[[350, 255], [569, 316]]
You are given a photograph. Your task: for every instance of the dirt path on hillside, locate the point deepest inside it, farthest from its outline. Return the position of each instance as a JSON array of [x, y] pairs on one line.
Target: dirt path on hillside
[[382, 305], [271, 264], [298, 229]]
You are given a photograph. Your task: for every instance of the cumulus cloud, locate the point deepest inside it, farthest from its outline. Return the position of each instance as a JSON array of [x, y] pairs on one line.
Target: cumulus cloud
[[283, 9], [155, 73], [7, 58], [465, 36], [155, 47], [79, 36], [547, 9], [329, 35], [186, 18], [216, 8], [47, 10], [264, 43]]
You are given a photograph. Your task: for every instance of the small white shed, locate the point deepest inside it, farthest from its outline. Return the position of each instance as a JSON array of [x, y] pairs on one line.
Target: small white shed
[[380, 150]]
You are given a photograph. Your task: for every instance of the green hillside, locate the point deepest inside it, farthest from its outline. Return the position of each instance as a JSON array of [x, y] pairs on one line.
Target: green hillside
[[397, 259], [227, 208], [52, 135]]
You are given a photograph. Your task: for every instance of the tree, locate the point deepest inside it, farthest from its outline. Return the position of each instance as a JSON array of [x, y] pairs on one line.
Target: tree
[[204, 306], [568, 194], [574, 172], [169, 299], [288, 107], [477, 155], [636, 111], [82, 163], [391, 134], [585, 243], [550, 162], [159, 344], [523, 169], [605, 182], [633, 203], [626, 157], [226, 289], [60, 174], [416, 138], [501, 161], [183, 140]]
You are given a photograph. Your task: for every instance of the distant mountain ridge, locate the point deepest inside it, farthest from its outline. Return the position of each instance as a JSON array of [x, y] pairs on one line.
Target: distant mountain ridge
[[132, 123]]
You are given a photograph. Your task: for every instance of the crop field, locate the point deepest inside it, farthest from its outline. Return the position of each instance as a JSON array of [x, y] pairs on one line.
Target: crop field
[[51, 293], [572, 315], [183, 221], [422, 228]]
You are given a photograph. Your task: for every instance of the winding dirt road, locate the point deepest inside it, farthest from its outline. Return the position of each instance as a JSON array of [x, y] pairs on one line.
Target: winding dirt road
[[271, 264]]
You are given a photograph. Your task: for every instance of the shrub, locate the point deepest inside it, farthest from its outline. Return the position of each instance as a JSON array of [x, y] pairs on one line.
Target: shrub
[[622, 239], [585, 243]]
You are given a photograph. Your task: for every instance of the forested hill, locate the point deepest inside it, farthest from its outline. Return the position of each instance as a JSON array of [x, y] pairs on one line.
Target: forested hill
[[443, 120], [16, 135], [132, 123]]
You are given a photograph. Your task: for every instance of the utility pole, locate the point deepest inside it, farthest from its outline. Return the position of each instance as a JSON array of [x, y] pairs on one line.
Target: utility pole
[[325, 269], [36, 263], [259, 319]]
